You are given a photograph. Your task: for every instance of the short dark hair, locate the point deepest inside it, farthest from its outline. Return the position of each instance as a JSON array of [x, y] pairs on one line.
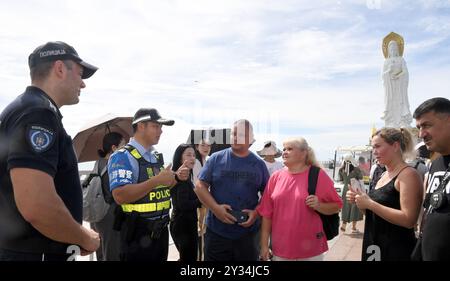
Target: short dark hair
[[41, 71], [109, 140], [438, 105], [134, 126]]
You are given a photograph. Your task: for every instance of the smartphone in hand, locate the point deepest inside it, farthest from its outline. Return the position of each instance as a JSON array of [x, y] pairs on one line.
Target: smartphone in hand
[[355, 186], [239, 215]]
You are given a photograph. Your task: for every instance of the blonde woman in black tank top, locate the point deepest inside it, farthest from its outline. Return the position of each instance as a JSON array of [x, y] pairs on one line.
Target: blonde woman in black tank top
[[393, 206]]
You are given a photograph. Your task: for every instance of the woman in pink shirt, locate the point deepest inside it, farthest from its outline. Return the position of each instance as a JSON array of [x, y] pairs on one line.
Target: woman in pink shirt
[[289, 213]]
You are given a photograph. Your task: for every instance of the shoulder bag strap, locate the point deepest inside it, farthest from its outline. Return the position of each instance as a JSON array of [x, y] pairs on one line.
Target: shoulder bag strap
[[313, 175]]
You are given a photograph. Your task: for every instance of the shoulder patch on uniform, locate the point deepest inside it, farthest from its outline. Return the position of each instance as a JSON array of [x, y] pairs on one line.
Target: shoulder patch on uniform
[[40, 138]]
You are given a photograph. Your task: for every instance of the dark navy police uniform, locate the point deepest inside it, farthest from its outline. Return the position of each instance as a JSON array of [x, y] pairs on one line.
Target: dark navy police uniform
[[32, 136]]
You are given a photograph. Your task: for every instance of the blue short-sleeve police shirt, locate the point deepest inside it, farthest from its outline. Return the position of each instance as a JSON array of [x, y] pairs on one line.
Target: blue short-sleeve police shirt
[[123, 168]]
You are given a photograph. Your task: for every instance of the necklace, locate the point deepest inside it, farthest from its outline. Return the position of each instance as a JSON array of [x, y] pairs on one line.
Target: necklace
[[395, 172], [387, 177]]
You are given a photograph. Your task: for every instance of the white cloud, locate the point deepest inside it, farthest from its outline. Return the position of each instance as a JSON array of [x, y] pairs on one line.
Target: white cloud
[[440, 4], [438, 25], [316, 54]]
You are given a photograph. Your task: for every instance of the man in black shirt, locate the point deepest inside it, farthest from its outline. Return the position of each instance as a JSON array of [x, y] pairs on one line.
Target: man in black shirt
[[433, 121], [40, 193]]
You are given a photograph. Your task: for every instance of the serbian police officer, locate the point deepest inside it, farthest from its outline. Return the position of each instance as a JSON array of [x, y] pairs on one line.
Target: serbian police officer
[[141, 186], [40, 194]]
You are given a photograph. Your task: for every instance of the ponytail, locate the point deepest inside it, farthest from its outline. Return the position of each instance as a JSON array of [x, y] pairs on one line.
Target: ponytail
[[402, 136]]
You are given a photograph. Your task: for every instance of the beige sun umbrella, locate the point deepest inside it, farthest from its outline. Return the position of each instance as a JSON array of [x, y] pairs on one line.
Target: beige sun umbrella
[[89, 139]]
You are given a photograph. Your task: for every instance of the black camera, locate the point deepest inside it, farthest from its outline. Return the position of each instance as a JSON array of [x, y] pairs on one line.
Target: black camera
[[438, 200], [239, 215]]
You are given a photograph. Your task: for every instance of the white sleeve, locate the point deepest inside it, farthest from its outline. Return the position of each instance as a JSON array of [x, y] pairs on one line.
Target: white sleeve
[[196, 170]]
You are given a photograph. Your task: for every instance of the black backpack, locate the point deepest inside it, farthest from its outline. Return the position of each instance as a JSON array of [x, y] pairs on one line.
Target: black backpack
[[330, 222]]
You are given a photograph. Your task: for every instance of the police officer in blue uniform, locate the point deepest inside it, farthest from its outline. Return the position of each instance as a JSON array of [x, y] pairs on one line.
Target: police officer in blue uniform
[[40, 194], [141, 186]]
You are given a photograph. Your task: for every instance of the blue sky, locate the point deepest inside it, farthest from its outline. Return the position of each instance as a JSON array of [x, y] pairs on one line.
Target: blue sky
[[293, 68]]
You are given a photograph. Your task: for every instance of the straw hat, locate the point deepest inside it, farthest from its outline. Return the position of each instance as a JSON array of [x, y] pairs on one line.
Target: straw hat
[[349, 158], [269, 148]]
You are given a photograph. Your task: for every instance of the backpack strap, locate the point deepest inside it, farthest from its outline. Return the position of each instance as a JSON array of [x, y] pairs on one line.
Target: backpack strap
[[313, 175], [94, 173], [104, 171], [101, 167]]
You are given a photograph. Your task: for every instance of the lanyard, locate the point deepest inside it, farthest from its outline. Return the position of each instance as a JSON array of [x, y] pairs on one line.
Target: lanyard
[[441, 186]]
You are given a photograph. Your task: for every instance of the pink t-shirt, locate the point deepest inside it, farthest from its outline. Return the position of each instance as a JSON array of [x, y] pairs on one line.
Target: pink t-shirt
[[296, 228]]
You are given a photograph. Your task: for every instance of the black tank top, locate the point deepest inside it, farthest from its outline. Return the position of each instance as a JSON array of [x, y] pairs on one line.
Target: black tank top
[[395, 242]]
